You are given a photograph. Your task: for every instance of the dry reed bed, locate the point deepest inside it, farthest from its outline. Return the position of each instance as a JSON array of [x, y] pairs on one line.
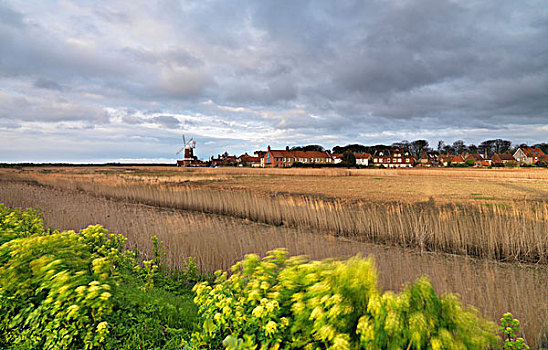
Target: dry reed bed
[[517, 231], [484, 173], [481, 173], [218, 241]]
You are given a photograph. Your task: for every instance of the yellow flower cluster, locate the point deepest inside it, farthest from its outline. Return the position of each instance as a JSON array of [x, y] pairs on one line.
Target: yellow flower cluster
[[282, 302]]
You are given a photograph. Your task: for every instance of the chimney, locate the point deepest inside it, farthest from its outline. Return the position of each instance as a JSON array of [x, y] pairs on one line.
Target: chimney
[[287, 148], [268, 148]]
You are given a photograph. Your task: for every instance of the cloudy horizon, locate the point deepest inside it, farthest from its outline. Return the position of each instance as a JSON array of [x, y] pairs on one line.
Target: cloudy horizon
[[122, 81]]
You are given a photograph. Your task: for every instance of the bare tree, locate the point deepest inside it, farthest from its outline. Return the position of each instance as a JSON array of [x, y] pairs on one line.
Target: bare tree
[[487, 147], [459, 146], [448, 149], [418, 147], [441, 143], [502, 146]]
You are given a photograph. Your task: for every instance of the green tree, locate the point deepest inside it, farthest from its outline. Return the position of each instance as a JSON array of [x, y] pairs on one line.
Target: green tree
[[348, 158]]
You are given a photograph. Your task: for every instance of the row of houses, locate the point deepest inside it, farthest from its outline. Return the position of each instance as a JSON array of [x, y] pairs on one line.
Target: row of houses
[[524, 155], [392, 157], [285, 158]]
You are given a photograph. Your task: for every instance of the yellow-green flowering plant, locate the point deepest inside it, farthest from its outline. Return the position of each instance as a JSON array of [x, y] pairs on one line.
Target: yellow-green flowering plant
[[282, 302], [82, 290], [55, 291]]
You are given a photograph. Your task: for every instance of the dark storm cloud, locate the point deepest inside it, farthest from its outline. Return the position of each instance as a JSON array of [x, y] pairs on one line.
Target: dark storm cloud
[[317, 69]]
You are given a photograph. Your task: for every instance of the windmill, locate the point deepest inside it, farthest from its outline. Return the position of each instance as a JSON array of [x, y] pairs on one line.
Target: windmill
[[188, 148]]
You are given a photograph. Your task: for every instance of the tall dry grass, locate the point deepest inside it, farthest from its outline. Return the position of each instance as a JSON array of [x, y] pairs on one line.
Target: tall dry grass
[[481, 173], [515, 231], [485, 173], [218, 241]]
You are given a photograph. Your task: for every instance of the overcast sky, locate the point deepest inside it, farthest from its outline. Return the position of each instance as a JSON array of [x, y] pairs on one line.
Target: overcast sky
[[123, 80]]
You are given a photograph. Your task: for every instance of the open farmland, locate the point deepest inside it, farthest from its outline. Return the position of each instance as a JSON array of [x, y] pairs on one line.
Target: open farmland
[[414, 219], [373, 185]]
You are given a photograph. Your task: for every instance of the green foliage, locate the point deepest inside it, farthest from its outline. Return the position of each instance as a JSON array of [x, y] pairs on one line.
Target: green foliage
[[55, 291], [509, 326], [293, 303], [348, 158], [18, 223], [67, 290], [158, 252]]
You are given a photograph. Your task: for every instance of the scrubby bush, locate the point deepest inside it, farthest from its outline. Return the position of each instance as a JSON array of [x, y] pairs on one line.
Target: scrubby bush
[[293, 303], [16, 223], [67, 290]]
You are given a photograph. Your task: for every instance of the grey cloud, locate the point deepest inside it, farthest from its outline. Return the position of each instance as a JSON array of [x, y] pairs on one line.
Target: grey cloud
[[47, 84], [9, 17], [50, 109], [132, 119], [167, 121]]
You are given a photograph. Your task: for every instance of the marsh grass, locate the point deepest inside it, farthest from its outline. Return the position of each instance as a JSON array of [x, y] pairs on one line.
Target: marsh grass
[[512, 231]]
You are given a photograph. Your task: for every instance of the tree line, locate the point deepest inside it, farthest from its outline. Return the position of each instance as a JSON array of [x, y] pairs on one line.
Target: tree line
[[418, 147]]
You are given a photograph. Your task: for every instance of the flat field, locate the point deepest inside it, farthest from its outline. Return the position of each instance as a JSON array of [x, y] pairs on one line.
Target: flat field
[[453, 185]]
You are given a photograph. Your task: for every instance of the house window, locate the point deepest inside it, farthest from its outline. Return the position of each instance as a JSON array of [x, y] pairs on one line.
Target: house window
[[388, 160], [399, 160], [407, 160]]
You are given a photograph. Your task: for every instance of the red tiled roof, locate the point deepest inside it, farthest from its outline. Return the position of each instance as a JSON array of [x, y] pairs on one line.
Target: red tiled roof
[[311, 154], [458, 159], [506, 156], [282, 154], [532, 151], [299, 154], [362, 155]]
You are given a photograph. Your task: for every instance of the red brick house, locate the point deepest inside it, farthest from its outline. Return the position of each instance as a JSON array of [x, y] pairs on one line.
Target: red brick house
[[247, 160], [449, 159], [337, 158], [480, 160], [286, 158], [394, 158], [529, 155], [504, 159], [223, 160], [430, 159], [363, 159]]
